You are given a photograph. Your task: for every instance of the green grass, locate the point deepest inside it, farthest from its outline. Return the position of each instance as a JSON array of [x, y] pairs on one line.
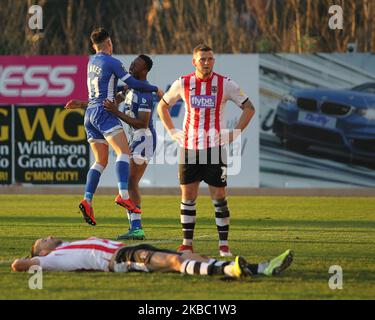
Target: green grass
[[321, 231]]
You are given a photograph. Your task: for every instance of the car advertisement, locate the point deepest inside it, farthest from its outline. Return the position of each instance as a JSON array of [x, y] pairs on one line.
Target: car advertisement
[[317, 120]]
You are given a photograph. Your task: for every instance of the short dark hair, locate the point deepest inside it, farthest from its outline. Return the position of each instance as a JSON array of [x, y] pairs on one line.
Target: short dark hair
[[201, 47], [98, 35], [148, 61]]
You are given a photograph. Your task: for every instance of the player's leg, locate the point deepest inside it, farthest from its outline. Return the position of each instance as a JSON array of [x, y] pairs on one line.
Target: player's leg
[[272, 267], [142, 149], [276, 265], [189, 194], [199, 265], [137, 169], [218, 267], [222, 218], [100, 151], [215, 176], [147, 258], [99, 147], [118, 141], [195, 264], [190, 177]]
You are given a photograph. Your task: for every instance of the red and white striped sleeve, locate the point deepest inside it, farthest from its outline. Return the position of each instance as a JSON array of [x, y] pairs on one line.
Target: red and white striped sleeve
[[174, 93], [234, 93]]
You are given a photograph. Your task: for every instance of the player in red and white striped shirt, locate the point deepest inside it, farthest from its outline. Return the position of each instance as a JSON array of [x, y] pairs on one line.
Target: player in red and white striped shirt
[[90, 254], [95, 254], [202, 137]]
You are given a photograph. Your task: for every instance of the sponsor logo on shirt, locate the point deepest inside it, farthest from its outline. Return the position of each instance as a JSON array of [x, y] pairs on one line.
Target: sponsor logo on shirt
[[204, 102]]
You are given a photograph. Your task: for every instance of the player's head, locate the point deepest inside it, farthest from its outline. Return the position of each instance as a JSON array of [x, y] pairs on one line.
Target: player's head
[[44, 246], [140, 67], [101, 41], [203, 59]]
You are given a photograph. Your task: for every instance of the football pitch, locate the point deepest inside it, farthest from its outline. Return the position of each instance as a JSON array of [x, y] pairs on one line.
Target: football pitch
[[321, 231]]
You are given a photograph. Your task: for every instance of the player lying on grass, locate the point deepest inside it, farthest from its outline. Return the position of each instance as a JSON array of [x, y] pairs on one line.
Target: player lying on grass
[[96, 254]]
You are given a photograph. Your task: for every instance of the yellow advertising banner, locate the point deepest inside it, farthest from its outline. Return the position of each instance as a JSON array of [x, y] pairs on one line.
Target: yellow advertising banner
[[50, 146], [5, 145]]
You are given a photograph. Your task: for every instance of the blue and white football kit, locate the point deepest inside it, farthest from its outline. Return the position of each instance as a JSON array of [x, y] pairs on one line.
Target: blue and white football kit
[[103, 73], [142, 142]]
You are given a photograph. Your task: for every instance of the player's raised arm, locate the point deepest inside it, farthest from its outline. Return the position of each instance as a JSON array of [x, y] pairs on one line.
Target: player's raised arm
[[76, 104], [120, 71]]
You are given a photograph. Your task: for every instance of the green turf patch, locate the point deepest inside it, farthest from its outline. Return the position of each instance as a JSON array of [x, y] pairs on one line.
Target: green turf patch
[[321, 231]]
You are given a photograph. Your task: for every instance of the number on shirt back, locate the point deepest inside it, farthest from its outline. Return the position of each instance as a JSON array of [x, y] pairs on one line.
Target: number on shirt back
[[93, 86]]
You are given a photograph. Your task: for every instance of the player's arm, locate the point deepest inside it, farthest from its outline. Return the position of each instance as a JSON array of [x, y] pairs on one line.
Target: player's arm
[[165, 117], [165, 103], [24, 264], [120, 96], [248, 112], [76, 104], [138, 123], [131, 82], [135, 84], [236, 95]]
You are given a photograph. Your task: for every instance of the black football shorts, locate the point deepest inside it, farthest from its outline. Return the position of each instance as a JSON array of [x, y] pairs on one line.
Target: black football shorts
[[209, 165]]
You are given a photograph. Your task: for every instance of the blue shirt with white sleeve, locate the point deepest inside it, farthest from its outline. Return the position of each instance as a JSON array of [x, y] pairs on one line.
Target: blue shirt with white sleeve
[[103, 73]]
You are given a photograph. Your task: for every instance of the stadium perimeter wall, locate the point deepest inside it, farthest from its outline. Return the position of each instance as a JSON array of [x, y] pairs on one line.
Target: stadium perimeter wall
[[43, 148]]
